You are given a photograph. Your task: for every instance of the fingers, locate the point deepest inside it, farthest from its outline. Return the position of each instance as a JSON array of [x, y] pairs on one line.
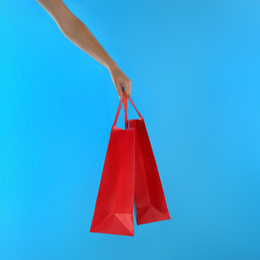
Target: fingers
[[128, 87], [119, 89], [121, 82]]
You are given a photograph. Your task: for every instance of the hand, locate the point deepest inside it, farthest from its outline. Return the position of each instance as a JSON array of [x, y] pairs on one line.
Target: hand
[[119, 78]]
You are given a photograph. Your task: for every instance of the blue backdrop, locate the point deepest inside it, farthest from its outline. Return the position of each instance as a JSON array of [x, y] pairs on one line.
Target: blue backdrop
[[195, 72]]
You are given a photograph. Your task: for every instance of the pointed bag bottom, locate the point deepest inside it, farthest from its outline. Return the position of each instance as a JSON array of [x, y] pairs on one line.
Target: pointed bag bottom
[[150, 214], [117, 224]]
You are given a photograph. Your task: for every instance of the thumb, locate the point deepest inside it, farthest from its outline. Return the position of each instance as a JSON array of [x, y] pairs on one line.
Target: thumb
[[120, 91]]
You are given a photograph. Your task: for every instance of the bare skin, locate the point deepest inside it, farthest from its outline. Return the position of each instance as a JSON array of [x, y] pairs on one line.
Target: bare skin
[[77, 32]]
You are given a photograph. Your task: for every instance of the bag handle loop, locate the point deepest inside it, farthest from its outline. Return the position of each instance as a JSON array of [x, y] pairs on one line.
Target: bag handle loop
[[124, 99]]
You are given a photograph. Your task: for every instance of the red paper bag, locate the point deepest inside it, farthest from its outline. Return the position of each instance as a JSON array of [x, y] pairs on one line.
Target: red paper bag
[[149, 196], [115, 200]]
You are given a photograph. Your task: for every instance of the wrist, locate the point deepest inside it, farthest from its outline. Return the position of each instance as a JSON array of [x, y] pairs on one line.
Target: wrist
[[112, 66]]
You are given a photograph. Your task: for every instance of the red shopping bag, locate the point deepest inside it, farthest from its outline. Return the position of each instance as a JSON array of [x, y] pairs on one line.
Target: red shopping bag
[[113, 212], [149, 196]]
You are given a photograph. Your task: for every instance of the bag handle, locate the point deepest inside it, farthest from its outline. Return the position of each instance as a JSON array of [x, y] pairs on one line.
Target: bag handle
[[124, 99], [131, 101]]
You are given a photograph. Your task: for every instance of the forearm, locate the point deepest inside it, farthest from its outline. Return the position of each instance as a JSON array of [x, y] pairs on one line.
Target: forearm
[[77, 32]]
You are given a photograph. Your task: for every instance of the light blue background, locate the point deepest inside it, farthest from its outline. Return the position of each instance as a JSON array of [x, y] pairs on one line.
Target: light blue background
[[195, 72]]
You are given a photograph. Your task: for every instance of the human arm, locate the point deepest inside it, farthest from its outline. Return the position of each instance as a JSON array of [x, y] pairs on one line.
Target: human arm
[[78, 33]]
